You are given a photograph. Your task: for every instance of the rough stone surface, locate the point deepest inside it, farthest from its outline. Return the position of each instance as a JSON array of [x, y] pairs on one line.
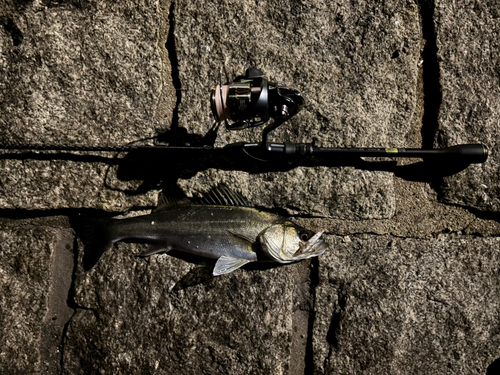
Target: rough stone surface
[[56, 184], [469, 60], [410, 283], [386, 305], [32, 313], [418, 214], [356, 68], [167, 316], [79, 73], [75, 74], [341, 193]]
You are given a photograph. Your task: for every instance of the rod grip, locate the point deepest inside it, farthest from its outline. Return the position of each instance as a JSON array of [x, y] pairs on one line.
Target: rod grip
[[472, 153]]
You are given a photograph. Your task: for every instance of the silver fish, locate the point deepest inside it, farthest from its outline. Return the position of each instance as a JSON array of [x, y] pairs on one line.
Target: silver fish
[[219, 226]]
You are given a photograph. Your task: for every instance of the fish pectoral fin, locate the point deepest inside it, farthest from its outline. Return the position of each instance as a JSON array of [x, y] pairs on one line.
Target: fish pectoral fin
[[155, 248], [241, 239], [228, 264]]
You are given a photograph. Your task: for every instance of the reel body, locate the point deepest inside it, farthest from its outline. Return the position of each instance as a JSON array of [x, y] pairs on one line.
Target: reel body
[[251, 100]]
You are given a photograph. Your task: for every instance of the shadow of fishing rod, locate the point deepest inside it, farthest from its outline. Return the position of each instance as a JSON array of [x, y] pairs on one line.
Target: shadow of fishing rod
[[155, 164]]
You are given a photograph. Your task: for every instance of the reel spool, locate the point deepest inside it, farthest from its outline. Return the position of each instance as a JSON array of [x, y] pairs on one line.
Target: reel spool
[[251, 100]]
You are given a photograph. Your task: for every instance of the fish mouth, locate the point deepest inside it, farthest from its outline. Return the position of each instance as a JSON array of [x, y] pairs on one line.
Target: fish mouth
[[313, 247]]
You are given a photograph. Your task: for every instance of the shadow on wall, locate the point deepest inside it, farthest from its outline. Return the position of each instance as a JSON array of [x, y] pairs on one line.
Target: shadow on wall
[[189, 154], [494, 367], [154, 165]]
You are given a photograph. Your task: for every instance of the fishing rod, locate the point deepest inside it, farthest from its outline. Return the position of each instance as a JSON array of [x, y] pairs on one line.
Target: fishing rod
[[251, 100]]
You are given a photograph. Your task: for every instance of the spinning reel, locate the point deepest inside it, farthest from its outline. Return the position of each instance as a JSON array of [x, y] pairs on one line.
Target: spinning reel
[[251, 100]]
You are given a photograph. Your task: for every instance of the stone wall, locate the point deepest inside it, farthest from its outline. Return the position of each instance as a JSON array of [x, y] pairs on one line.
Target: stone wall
[[410, 281]]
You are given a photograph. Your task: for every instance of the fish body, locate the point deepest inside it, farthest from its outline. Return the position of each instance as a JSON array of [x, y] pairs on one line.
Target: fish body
[[232, 233], [209, 231]]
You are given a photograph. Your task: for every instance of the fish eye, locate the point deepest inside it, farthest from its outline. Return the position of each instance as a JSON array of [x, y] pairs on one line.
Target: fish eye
[[303, 236]]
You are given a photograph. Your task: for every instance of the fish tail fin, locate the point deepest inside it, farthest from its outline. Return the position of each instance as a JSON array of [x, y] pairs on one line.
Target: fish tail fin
[[96, 237]]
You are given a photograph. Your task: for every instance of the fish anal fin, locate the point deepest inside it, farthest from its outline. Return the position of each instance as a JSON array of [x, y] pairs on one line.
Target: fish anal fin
[[227, 264], [155, 248]]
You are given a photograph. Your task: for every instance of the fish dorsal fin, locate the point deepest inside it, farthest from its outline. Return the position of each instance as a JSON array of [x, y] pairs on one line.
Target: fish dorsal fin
[[222, 195], [165, 202]]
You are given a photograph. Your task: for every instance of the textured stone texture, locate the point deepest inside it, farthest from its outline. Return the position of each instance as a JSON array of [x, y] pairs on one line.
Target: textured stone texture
[[55, 184], [469, 59], [390, 306], [341, 193], [77, 73], [418, 215], [163, 315], [32, 314]]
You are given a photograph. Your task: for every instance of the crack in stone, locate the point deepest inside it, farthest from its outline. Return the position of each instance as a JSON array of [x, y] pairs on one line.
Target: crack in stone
[[314, 282], [11, 28], [342, 296], [337, 317], [478, 213], [431, 76], [70, 302], [59, 312], [174, 62], [436, 300], [63, 339]]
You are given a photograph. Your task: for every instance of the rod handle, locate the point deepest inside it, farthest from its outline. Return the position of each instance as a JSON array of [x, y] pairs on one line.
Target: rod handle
[[472, 153]]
